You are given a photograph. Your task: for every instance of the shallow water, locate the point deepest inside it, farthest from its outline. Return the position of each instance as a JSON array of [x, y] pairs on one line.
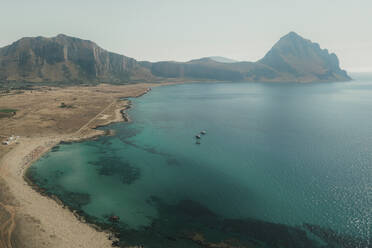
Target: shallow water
[[273, 154]]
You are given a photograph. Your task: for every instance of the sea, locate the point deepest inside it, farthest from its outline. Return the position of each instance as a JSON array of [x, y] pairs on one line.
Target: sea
[[280, 165]]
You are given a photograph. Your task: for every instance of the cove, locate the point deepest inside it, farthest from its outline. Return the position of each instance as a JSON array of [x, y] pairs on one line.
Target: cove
[[281, 165]]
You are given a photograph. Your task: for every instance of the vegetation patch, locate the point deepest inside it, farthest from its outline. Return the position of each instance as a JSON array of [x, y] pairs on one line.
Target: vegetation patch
[[7, 112], [64, 105]]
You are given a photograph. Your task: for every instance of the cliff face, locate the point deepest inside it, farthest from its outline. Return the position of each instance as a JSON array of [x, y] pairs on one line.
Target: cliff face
[[292, 59], [66, 59]]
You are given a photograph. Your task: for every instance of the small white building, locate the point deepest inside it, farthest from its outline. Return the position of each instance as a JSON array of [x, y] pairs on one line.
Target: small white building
[[10, 140]]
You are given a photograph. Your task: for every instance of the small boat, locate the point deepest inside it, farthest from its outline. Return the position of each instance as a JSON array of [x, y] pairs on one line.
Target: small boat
[[197, 136], [197, 142], [203, 132]]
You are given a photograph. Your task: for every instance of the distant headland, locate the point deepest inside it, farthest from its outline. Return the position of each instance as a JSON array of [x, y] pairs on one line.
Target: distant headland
[[66, 60]]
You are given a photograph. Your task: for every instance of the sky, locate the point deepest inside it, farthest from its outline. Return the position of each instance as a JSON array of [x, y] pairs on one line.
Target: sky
[[156, 30]]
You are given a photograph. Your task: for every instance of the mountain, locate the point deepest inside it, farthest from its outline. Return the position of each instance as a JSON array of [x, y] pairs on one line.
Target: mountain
[[66, 59], [222, 59], [291, 59], [297, 58], [204, 68]]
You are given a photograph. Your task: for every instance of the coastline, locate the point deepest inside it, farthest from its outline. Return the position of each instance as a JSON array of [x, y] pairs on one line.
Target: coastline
[[51, 223]]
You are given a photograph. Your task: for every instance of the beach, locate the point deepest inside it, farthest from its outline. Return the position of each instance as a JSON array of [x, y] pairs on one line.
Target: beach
[[31, 219]]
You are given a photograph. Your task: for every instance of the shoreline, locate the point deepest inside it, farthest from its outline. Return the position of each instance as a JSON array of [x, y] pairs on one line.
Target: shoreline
[[59, 226], [111, 236]]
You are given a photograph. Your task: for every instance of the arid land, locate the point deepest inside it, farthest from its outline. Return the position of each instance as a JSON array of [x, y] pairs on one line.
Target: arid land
[[46, 116]]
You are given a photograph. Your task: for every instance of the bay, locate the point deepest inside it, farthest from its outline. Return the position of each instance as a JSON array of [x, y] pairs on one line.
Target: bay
[[281, 164]]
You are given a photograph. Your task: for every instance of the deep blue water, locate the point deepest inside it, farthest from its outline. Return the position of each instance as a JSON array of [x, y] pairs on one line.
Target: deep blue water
[[299, 155]]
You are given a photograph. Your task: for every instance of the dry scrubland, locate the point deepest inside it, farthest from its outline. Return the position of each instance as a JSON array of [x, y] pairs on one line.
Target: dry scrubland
[[55, 111], [45, 116]]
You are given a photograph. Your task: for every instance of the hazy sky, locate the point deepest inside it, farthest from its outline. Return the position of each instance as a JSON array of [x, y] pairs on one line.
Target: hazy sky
[[182, 30]]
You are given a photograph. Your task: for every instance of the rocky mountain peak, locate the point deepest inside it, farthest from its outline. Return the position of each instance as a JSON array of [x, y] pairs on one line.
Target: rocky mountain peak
[[293, 54]]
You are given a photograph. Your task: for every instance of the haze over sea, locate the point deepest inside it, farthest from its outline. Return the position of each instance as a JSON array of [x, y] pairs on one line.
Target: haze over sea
[[282, 153]]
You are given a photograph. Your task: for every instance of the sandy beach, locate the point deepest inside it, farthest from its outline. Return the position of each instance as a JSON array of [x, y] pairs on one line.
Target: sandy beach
[[28, 218]]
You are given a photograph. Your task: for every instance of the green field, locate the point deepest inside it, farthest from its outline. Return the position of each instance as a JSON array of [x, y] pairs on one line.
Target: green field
[[8, 110]]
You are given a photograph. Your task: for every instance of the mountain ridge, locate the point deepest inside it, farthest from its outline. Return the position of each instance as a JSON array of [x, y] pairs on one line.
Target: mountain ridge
[[291, 59], [222, 59], [63, 58], [67, 59]]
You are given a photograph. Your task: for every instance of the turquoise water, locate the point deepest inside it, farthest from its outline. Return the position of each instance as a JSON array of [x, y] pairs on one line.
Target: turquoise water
[[281, 165]]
